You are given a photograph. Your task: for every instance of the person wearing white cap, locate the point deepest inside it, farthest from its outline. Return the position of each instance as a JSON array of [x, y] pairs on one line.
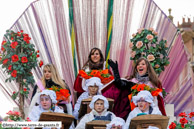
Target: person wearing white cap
[[145, 105], [116, 123], [91, 88], [99, 106], [46, 101]]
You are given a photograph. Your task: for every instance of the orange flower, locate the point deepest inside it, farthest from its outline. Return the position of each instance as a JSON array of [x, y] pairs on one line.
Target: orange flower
[[105, 71], [95, 73], [65, 92], [156, 92], [84, 74], [134, 87], [140, 87]]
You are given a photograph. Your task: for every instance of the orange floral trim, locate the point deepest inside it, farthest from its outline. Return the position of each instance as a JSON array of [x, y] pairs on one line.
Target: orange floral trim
[[104, 75], [139, 87]]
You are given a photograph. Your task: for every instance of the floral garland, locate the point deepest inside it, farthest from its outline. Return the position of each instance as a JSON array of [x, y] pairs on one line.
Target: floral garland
[[104, 75], [145, 44], [62, 94], [184, 123], [139, 87]]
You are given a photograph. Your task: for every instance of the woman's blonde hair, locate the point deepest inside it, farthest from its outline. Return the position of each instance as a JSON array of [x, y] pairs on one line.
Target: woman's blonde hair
[[151, 73], [55, 77]]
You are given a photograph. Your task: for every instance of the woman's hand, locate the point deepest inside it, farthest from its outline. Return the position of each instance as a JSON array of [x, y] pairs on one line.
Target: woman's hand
[[113, 65]]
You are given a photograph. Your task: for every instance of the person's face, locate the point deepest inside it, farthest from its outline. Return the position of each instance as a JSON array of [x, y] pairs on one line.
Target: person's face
[[143, 105], [92, 90], [116, 127], [142, 68], [99, 106], [45, 102], [47, 73], [95, 56]]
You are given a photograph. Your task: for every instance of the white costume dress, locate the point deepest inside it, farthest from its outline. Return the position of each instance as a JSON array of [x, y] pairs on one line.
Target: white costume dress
[[34, 115], [117, 121], [90, 116], [146, 95], [35, 98], [93, 114], [94, 81]]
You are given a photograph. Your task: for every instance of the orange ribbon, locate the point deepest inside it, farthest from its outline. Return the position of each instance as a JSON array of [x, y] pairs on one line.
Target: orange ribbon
[[131, 103]]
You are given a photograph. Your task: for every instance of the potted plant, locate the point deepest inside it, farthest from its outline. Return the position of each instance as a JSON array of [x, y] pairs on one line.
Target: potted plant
[[18, 58]]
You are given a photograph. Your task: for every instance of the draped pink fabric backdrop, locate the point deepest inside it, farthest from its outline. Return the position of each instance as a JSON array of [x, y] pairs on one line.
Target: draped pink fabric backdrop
[[47, 23]]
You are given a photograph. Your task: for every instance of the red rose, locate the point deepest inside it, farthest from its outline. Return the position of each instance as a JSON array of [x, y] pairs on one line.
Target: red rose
[[14, 92], [25, 89], [41, 63], [14, 44], [37, 56], [26, 38], [24, 59], [10, 66], [5, 61], [11, 38], [183, 114], [14, 73], [2, 48], [191, 114], [21, 31], [15, 58], [172, 125]]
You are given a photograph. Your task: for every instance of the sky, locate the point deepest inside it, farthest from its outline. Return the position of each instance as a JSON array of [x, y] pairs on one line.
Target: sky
[[10, 10]]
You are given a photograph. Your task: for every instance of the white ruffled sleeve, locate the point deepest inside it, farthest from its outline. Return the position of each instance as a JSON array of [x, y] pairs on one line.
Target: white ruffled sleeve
[[78, 103]]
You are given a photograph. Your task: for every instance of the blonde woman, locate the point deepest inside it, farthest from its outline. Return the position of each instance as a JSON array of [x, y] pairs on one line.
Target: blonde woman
[[50, 78]]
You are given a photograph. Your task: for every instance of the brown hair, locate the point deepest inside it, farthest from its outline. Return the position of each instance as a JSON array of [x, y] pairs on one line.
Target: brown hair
[[55, 77], [151, 73], [93, 65]]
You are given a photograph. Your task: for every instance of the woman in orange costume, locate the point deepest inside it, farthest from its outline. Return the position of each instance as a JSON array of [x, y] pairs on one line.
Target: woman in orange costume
[[143, 73]]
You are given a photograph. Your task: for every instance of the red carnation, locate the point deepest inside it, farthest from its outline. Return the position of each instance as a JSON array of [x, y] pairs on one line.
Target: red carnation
[[172, 125], [15, 58], [14, 73], [25, 89], [10, 67], [183, 114], [5, 61], [183, 121], [14, 44], [41, 63], [24, 59], [191, 114]]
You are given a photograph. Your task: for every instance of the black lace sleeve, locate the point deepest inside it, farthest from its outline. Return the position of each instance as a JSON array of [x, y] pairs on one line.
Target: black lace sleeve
[[124, 84]]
